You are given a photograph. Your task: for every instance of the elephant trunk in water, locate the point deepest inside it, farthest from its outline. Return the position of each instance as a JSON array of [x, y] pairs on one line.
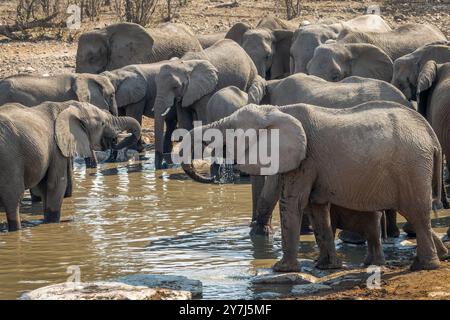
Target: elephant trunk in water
[[188, 168], [162, 104], [129, 124]]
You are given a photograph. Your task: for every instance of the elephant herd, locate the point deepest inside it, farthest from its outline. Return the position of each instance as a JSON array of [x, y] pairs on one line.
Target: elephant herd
[[362, 110]]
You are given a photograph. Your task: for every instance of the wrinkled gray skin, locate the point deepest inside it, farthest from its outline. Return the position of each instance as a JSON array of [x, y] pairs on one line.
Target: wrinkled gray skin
[[407, 68], [369, 54], [433, 99], [207, 40], [185, 86], [308, 177], [122, 44], [224, 102], [31, 90], [268, 45], [38, 144], [135, 87], [307, 38], [299, 88]]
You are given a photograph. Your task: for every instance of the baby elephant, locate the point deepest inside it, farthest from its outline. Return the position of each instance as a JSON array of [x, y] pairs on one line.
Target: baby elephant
[[362, 164], [37, 146]]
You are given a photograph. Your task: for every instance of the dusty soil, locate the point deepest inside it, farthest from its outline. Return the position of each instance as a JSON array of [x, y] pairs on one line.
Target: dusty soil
[[53, 51]]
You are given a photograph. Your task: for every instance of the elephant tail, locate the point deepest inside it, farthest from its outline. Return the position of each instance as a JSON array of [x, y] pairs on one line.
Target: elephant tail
[[437, 183]]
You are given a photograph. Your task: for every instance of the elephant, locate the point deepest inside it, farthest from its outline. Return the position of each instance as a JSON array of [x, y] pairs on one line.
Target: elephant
[[268, 45], [135, 87], [299, 88], [207, 40], [309, 37], [122, 44], [38, 144], [433, 100], [184, 86], [407, 68], [354, 165], [31, 90], [369, 54]]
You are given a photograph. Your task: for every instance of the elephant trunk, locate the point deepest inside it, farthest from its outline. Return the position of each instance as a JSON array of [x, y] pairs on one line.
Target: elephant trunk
[[189, 167], [130, 125], [161, 106]]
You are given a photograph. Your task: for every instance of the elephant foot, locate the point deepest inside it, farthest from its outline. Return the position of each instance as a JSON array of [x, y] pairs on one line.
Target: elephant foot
[[408, 228], [418, 265], [286, 266], [52, 217], [90, 162], [327, 263], [14, 226], [351, 237], [258, 229], [393, 232], [370, 261]]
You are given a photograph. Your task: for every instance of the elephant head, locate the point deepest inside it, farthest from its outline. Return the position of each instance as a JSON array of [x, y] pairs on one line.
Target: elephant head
[[407, 68], [82, 127], [130, 86], [180, 84], [291, 133], [97, 90], [113, 47], [336, 61], [268, 49], [305, 40]]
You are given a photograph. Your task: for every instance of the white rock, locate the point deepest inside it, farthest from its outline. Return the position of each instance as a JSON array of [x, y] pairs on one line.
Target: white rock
[[285, 278], [305, 289], [103, 291], [195, 287], [304, 23]]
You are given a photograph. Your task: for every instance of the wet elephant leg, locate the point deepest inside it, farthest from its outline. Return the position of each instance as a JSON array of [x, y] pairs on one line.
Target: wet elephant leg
[[290, 217], [69, 188], [372, 233], [55, 188], [392, 229], [323, 232], [266, 202], [136, 111], [171, 125], [11, 202]]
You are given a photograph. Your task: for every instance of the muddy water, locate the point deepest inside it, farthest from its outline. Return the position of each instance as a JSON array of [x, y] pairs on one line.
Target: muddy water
[[125, 219]]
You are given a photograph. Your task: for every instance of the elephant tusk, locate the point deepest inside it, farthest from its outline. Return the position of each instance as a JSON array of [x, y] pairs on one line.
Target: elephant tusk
[[165, 112]]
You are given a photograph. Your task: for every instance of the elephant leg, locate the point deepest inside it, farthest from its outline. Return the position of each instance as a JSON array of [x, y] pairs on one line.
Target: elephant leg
[[136, 111], [34, 197], [375, 255], [426, 256], [351, 237], [55, 188], [323, 232], [441, 249], [266, 202], [69, 189], [392, 229], [409, 229], [11, 202], [306, 225], [171, 125], [91, 162], [291, 217]]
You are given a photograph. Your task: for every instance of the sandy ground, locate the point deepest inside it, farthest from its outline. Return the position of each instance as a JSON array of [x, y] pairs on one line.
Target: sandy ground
[[56, 54]]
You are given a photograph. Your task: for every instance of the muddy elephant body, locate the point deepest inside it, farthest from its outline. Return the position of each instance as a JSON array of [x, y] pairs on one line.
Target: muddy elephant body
[[407, 67], [184, 86], [372, 135], [122, 44], [307, 38], [369, 54], [39, 143], [32, 90], [267, 44]]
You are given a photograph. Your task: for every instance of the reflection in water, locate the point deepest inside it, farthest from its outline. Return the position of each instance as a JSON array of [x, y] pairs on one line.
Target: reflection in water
[[126, 218]]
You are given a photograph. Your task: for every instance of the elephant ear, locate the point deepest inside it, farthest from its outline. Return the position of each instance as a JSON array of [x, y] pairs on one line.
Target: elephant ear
[[370, 61], [203, 79], [425, 81], [288, 149], [109, 92], [237, 31], [257, 90], [70, 133], [131, 89], [129, 43], [80, 85], [283, 42]]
